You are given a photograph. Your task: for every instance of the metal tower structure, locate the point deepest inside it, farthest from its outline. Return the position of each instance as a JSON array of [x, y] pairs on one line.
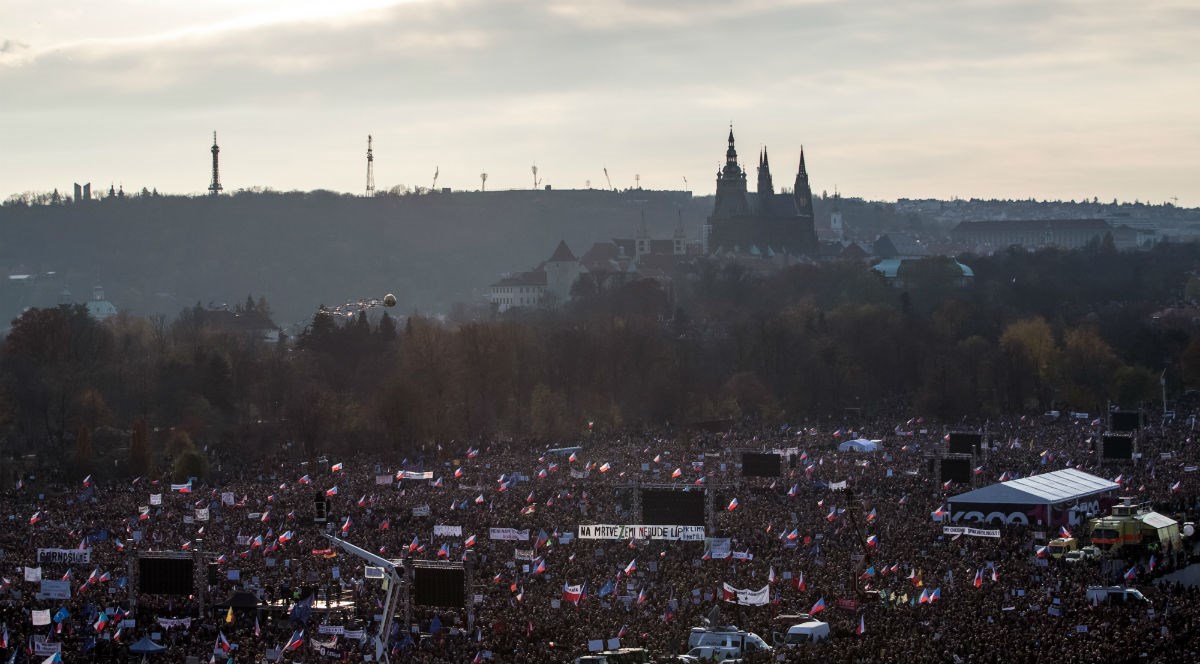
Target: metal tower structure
[[370, 168], [215, 187]]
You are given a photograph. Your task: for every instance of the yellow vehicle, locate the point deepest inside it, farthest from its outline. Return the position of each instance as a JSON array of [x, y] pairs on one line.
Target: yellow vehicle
[[1060, 546], [1133, 525]]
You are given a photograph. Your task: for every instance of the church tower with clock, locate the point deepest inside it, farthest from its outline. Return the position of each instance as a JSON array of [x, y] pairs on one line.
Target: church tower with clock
[[763, 223]]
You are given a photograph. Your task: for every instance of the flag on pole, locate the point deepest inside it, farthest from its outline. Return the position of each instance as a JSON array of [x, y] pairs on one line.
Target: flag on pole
[[862, 625], [818, 607], [978, 578], [332, 491], [732, 505], [336, 468]]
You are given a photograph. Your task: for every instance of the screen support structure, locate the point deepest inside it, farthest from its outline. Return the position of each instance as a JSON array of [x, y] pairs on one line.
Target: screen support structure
[[394, 591]]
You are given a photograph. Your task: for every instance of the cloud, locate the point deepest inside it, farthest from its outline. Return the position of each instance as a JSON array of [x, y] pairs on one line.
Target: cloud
[[644, 86]]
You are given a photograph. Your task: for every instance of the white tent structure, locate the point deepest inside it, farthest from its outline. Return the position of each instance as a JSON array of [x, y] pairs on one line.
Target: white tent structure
[[1057, 498], [859, 445]]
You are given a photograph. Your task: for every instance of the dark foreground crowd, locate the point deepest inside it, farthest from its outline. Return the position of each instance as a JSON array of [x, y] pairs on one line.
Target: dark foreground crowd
[[868, 552]]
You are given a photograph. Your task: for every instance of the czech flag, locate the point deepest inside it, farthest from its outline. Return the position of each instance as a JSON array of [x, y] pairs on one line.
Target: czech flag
[[346, 526], [872, 515], [924, 599], [870, 573], [332, 491], [817, 608], [935, 595], [641, 598], [87, 481], [443, 552], [631, 567], [832, 516], [947, 484], [101, 622], [798, 581], [1063, 532], [732, 505], [35, 518], [939, 513], [479, 499], [979, 579], [862, 626], [572, 458], [604, 468], [873, 541], [1131, 574], [678, 472], [223, 642], [336, 468], [296, 641], [362, 502], [470, 542], [979, 470], [657, 458], [1041, 551], [305, 480], [458, 472], [1176, 487], [472, 453], [412, 546]]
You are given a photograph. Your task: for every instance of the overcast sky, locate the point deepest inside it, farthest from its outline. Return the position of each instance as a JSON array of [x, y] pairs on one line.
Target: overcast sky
[[890, 98]]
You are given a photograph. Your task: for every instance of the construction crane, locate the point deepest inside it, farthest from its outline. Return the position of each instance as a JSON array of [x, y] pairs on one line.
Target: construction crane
[[610, 187]]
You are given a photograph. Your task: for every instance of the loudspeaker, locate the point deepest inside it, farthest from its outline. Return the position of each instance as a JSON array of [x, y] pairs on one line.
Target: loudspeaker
[[320, 507]]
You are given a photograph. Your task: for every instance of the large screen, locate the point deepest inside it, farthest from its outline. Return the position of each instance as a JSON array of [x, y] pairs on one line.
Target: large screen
[[958, 470], [1117, 447], [672, 507], [964, 443], [1126, 420], [165, 576], [758, 464], [440, 586]]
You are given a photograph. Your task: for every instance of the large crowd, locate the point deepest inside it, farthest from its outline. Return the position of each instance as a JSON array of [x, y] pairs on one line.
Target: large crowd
[[871, 553]]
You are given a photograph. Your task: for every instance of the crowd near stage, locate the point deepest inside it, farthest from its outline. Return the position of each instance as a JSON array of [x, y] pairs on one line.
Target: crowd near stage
[[510, 551]]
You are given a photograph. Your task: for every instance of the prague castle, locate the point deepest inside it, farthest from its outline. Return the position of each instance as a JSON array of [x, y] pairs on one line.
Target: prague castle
[[762, 223]]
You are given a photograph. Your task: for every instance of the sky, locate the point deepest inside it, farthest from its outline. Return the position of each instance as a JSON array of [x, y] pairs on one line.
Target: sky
[[1049, 99]]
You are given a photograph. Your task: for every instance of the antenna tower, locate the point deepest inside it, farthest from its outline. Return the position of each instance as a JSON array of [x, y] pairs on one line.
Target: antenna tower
[[483, 182], [214, 188], [370, 168]]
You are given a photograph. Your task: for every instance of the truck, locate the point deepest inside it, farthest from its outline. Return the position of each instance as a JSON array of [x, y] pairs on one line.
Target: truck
[[1134, 526], [1060, 546], [619, 656]]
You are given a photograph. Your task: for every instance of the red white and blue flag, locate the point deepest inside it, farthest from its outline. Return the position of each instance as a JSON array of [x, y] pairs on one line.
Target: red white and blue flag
[[818, 607]]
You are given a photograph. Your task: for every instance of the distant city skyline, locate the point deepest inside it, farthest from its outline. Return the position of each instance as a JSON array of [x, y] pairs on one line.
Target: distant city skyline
[[890, 99]]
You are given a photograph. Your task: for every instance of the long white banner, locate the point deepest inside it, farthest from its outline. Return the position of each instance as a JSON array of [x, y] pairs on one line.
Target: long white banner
[[442, 530], [972, 532], [615, 532], [509, 534], [64, 556], [747, 597]]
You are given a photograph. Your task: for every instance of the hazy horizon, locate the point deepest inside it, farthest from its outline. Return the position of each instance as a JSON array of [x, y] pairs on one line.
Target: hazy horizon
[[986, 99]]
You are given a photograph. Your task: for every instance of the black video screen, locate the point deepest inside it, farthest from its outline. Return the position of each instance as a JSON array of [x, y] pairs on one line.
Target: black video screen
[[1126, 420], [1117, 447], [440, 586], [964, 443], [958, 470], [758, 464], [165, 576], [672, 507]]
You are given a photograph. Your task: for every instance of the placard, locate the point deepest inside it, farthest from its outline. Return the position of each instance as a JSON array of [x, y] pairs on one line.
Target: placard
[[55, 590], [156, 499], [64, 556], [442, 530], [508, 534]]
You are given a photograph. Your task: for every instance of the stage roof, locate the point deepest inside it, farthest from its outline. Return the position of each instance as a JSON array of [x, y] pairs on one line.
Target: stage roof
[[1057, 487]]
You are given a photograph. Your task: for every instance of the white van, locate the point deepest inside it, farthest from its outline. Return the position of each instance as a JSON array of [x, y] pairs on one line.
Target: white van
[[744, 642], [1114, 594], [808, 632], [712, 654]]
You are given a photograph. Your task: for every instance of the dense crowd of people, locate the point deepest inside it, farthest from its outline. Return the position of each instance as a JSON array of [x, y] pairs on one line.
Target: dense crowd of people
[[870, 553]]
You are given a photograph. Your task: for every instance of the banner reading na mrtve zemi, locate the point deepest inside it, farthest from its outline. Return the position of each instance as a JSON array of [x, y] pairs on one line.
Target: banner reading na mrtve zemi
[[615, 532]]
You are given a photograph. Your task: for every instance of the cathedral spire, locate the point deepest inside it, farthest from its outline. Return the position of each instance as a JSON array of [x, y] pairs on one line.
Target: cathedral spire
[[766, 186]]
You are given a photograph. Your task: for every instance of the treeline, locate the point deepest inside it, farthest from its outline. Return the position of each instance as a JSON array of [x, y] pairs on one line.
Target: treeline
[[1031, 331]]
